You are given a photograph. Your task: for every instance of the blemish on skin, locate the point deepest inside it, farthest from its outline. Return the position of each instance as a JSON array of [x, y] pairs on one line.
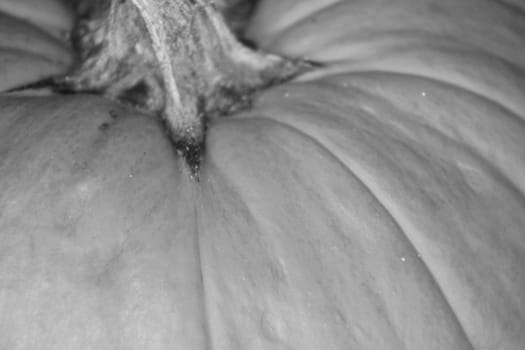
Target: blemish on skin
[[423, 93], [273, 327], [103, 127], [475, 178], [113, 114], [403, 259], [80, 166]]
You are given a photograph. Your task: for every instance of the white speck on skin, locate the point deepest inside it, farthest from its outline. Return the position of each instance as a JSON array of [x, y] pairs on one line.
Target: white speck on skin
[[368, 109], [403, 259], [423, 93], [85, 190]]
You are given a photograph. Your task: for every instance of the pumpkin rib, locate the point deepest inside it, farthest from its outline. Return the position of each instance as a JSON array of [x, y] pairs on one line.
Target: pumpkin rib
[[290, 21], [496, 169], [16, 62], [52, 16], [285, 31], [381, 203], [513, 107], [230, 183], [391, 309], [486, 22], [491, 166], [210, 167], [31, 41], [329, 73], [341, 108], [503, 169], [364, 49], [205, 295], [18, 34]]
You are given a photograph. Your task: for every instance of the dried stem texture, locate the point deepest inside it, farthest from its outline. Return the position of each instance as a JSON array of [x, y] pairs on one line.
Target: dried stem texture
[[177, 58]]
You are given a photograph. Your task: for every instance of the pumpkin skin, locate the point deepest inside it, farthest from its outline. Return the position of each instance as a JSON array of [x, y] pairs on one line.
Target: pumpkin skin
[[59, 296], [52, 16], [29, 47], [375, 204]]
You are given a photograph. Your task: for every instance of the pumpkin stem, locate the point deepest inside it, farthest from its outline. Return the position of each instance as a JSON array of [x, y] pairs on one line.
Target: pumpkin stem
[[177, 58]]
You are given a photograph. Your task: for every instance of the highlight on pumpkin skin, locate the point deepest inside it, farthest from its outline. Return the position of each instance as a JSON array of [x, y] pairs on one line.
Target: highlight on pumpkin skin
[[177, 59]]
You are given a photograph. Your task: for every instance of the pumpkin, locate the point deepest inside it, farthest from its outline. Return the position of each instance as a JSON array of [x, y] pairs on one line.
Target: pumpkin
[[31, 48], [375, 203]]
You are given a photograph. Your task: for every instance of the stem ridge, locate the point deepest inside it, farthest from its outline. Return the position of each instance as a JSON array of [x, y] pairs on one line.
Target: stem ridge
[[173, 58]]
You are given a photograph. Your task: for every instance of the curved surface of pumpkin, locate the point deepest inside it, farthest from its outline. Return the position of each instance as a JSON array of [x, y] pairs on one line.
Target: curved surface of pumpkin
[[27, 52], [476, 45], [52, 16], [98, 250], [394, 225], [378, 203]]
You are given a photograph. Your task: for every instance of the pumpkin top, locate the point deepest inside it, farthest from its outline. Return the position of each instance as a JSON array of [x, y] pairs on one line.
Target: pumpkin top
[[375, 203]]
